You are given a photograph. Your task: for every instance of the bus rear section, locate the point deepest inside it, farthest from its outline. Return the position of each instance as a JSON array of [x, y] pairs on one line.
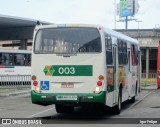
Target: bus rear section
[[68, 67]]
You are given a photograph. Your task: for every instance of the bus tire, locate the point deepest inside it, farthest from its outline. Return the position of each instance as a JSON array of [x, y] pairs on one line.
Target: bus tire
[[59, 108], [132, 100], [64, 109], [68, 109], [117, 108], [136, 89]]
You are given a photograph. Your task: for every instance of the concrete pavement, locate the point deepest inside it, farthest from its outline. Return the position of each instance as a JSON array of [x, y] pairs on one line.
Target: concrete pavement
[[13, 92]]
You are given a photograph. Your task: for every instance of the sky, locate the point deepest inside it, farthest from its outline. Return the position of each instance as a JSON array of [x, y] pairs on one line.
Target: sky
[[82, 11]]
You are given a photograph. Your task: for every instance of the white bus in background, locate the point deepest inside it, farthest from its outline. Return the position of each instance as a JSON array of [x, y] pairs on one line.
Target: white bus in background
[[78, 65], [15, 67]]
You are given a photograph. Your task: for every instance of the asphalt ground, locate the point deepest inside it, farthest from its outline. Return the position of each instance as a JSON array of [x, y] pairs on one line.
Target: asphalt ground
[[147, 105]]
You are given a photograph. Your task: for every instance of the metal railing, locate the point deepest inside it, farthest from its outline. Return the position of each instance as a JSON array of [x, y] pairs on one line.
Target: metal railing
[[148, 80], [24, 81], [15, 81], [150, 75]]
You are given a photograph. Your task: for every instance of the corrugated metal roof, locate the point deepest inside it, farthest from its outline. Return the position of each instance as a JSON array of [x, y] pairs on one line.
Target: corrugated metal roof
[[11, 21]]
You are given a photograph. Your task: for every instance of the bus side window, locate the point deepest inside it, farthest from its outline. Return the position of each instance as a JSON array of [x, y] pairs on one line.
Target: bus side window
[[134, 51], [29, 60], [11, 59], [136, 55], [5, 59], [108, 46], [122, 52], [19, 59]]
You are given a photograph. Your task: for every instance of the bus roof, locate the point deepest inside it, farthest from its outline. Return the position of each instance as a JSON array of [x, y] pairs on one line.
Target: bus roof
[[106, 30], [121, 36]]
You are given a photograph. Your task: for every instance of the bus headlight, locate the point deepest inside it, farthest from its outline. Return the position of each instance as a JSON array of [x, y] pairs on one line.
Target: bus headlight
[[37, 88], [97, 89]]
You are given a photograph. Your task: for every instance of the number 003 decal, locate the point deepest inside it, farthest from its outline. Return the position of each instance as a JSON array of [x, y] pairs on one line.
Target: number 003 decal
[[68, 70]]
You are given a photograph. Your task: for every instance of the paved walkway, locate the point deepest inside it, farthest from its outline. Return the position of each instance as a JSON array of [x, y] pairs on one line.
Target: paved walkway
[[13, 92]]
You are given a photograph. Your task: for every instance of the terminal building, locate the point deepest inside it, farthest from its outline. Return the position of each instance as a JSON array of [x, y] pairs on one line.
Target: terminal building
[[149, 40], [17, 33]]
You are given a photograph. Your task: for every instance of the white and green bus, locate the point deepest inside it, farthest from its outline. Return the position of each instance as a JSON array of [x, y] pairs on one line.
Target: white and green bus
[[78, 65]]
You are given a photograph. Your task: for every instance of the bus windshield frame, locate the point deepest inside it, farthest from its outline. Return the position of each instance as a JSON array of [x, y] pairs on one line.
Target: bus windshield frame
[[68, 40]]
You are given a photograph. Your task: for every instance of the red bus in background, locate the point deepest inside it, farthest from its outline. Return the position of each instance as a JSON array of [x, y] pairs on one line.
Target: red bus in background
[[158, 67]]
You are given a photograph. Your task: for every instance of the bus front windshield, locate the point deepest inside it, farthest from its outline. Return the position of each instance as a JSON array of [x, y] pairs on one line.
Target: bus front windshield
[[67, 41]]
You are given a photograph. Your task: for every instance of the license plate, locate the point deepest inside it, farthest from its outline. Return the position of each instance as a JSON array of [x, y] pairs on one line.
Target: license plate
[[66, 97], [67, 85]]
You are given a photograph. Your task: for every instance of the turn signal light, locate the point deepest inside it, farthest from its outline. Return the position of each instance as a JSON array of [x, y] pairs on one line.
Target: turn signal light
[[101, 77], [33, 77]]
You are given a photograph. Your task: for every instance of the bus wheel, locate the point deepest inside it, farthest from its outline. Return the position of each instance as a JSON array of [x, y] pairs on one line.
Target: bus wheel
[[64, 109], [59, 108], [132, 100], [69, 109], [117, 108]]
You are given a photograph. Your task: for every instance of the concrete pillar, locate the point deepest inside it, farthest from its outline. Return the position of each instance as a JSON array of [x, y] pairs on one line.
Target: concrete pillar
[[147, 62]]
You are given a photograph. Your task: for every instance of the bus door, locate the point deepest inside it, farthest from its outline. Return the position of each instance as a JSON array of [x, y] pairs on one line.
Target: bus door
[[129, 72], [115, 73], [132, 72], [112, 67]]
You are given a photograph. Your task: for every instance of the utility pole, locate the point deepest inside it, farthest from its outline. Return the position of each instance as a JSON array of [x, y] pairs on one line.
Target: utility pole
[[126, 22], [127, 10], [115, 13], [138, 25], [126, 19]]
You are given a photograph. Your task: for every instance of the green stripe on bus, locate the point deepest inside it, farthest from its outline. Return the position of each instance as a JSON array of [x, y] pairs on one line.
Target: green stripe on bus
[[6, 66], [81, 97], [68, 70], [9, 66]]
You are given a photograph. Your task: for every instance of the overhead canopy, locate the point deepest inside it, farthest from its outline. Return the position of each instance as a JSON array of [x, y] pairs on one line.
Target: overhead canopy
[[15, 28]]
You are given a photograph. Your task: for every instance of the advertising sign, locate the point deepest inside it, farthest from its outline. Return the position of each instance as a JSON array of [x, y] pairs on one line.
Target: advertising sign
[[126, 8]]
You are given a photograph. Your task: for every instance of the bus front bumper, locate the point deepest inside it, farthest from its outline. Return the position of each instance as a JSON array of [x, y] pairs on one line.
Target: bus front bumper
[[67, 98]]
